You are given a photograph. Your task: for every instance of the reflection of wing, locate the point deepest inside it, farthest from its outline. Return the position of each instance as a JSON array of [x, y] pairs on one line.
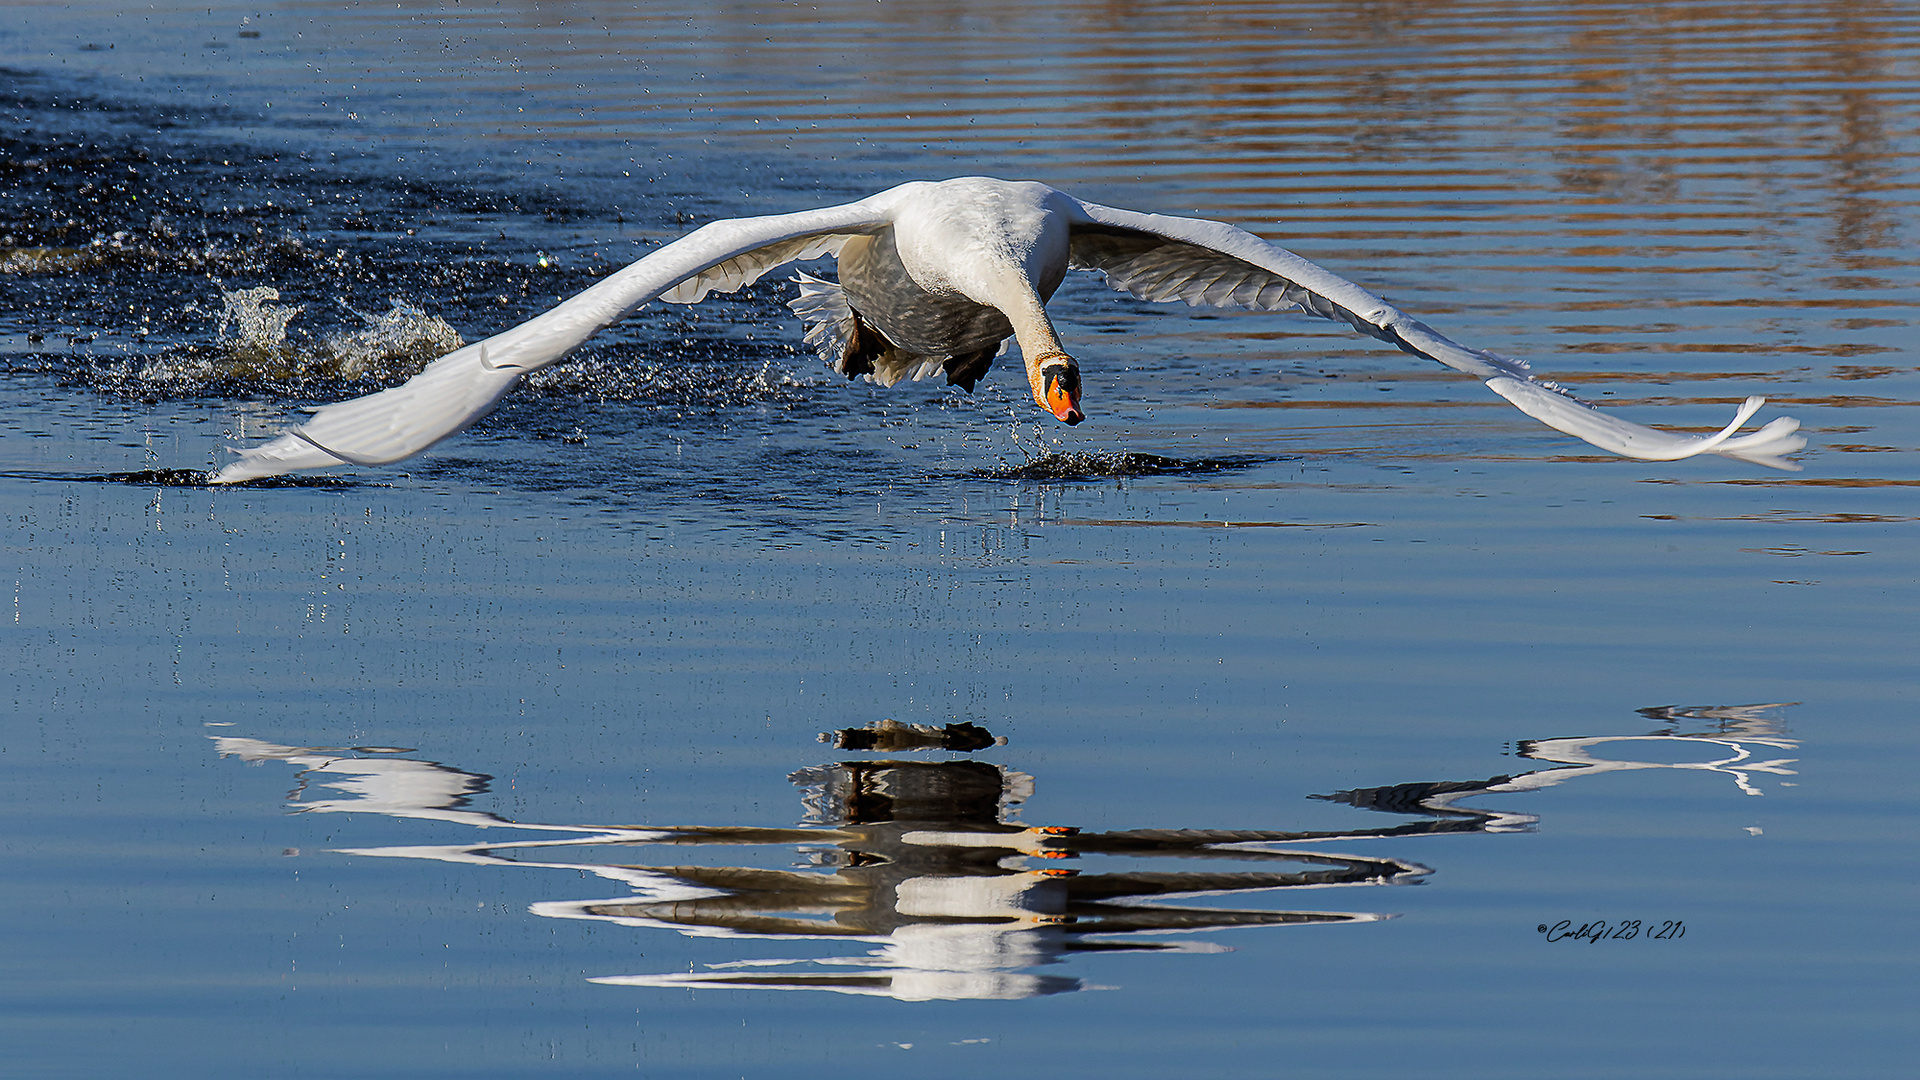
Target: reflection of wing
[[1758, 719], [1130, 919], [463, 386], [1435, 799], [399, 787], [756, 914], [1208, 263], [902, 984], [1346, 870], [1577, 755], [1259, 843]]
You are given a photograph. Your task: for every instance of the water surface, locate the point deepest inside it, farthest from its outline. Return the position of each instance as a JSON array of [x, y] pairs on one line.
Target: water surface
[[1336, 677]]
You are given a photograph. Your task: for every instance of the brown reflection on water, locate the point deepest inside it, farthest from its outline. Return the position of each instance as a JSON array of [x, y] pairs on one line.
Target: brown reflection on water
[[1827, 482], [1632, 101]]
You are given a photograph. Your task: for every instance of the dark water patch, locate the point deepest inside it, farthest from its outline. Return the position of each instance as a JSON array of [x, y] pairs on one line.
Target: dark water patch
[[148, 477], [1114, 465], [194, 478], [124, 225], [155, 478], [174, 264]]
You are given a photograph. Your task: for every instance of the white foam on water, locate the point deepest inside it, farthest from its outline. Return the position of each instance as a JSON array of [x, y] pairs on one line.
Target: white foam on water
[[253, 345], [400, 340]]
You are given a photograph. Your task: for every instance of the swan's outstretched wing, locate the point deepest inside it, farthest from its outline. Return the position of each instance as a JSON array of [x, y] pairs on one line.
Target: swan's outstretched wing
[[1212, 264], [463, 386]]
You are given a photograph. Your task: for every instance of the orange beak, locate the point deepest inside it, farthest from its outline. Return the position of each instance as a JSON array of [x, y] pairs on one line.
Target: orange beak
[[1062, 383]]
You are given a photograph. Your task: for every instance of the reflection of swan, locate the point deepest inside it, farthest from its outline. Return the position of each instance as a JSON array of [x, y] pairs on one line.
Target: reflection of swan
[[1736, 729], [925, 866], [934, 277], [924, 862], [918, 860]]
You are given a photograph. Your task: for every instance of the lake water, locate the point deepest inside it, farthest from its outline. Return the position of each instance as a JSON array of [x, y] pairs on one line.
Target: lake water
[[1315, 740]]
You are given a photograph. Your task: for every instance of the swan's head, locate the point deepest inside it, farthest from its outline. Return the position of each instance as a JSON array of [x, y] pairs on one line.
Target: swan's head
[[1056, 387]]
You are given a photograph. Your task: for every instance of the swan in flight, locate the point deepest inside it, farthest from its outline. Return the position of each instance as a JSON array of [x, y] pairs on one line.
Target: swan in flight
[[933, 278]]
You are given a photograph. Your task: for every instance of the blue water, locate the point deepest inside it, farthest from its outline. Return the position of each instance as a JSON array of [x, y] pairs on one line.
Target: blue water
[[488, 764]]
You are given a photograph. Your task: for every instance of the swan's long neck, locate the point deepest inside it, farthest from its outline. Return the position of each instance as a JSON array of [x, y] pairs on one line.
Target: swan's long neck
[[1051, 373]]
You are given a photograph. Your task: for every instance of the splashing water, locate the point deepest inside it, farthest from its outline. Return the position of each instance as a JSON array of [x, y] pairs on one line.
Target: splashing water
[[253, 347], [254, 331], [400, 341], [1051, 463]]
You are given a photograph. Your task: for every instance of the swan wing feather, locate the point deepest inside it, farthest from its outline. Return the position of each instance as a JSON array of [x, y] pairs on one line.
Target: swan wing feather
[[1213, 264], [456, 390]]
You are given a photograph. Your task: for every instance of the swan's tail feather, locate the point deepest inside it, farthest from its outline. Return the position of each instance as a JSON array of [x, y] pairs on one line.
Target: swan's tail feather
[[833, 329], [829, 320]]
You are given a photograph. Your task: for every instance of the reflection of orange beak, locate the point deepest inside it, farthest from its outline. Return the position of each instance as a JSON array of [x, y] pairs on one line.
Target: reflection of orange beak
[[1063, 393]]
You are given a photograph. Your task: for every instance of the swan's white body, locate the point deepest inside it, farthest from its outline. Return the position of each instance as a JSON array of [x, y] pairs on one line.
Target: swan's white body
[[934, 276]]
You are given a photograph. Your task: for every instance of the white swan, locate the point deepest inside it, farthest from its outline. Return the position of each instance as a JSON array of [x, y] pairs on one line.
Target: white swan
[[934, 277]]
